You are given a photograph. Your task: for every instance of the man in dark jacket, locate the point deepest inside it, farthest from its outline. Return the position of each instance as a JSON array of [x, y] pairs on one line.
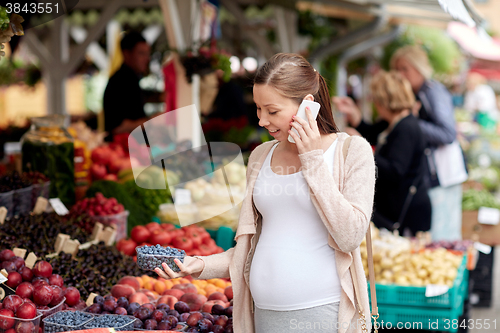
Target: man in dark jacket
[[123, 98]]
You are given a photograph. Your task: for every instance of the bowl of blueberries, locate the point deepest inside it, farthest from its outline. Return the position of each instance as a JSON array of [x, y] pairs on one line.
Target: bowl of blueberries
[[151, 257]]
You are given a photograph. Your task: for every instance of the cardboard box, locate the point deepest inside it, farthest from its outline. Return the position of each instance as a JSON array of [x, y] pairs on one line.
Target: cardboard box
[[488, 234]]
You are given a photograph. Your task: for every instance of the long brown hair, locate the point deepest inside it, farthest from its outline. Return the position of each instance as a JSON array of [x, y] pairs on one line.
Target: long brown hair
[[294, 77]]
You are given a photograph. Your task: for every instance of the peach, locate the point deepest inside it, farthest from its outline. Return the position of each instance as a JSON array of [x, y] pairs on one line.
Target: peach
[[150, 295], [229, 292], [160, 287], [174, 292], [131, 281], [217, 296], [122, 290], [169, 300], [194, 300], [186, 287], [138, 297], [207, 306]]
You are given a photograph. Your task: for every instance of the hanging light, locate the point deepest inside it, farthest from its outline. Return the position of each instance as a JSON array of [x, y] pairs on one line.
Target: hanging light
[[235, 64], [250, 64]]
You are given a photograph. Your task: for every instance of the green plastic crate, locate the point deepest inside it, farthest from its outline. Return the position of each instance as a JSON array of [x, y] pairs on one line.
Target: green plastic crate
[[415, 296]]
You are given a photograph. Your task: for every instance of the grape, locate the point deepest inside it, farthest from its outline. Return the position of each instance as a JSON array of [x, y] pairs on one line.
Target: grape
[[4, 19]]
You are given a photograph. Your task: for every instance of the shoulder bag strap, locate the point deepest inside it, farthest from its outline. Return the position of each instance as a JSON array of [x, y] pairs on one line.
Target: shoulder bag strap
[[371, 270]]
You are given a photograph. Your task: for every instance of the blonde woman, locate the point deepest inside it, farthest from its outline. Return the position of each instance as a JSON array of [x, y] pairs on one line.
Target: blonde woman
[[305, 215], [401, 194], [434, 111]]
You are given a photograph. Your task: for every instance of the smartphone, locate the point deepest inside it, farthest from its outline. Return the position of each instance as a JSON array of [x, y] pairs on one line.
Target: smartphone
[[313, 106]]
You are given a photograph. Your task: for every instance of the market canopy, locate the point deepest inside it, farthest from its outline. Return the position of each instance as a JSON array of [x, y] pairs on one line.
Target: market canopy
[[476, 42]]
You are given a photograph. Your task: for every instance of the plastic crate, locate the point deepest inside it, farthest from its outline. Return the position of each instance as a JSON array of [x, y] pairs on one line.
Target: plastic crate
[[22, 200], [117, 220], [224, 237], [415, 296], [415, 318], [31, 325], [6, 200], [51, 327], [52, 310], [126, 327]]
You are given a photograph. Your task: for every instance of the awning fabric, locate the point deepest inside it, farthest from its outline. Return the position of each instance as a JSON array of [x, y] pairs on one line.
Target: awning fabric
[[478, 45]]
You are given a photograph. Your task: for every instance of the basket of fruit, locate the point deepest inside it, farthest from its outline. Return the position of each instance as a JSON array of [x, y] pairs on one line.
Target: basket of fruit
[[19, 317], [65, 321], [151, 257], [118, 322]]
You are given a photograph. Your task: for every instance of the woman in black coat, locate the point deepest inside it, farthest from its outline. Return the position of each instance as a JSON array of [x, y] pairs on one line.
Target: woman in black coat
[[401, 192]]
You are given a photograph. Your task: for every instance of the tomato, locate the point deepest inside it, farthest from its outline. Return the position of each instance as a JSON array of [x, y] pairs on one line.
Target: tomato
[[210, 242], [167, 226], [183, 243], [126, 246], [196, 252], [195, 237], [160, 237], [152, 226], [140, 234], [204, 235]]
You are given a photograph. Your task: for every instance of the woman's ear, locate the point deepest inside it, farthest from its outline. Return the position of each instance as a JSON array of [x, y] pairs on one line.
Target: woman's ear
[[309, 97]]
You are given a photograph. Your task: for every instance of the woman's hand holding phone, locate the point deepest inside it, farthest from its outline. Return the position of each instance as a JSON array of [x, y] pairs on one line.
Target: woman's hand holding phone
[[309, 137]]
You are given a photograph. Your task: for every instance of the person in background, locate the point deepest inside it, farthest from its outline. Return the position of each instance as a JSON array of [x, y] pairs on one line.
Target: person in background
[[434, 110], [400, 191], [480, 100], [307, 210], [123, 101]]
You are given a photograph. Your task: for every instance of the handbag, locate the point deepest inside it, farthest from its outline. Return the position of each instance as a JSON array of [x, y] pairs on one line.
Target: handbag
[[449, 163], [371, 271]]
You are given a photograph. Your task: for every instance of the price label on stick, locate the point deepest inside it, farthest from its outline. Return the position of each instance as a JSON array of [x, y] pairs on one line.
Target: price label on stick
[[488, 215], [433, 290], [58, 206], [3, 214], [483, 248]]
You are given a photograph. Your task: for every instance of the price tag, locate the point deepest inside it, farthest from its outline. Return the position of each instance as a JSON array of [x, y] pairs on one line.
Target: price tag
[[58, 206], [60, 240], [433, 290], [483, 248], [488, 215], [19, 252], [182, 196], [98, 227], [108, 236], [3, 214], [40, 206], [4, 273], [71, 246], [90, 300], [31, 260], [3, 277]]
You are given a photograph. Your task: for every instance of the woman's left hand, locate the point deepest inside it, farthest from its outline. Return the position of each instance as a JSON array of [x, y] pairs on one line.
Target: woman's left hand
[[310, 138]]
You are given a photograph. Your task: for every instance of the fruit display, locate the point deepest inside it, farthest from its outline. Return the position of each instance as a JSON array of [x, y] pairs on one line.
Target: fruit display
[[457, 245], [38, 233], [94, 270], [108, 161], [65, 321], [13, 181], [111, 189], [92, 139], [104, 210], [117, 322], [151, 257], [39, 287], [193, 239], [9, 323]]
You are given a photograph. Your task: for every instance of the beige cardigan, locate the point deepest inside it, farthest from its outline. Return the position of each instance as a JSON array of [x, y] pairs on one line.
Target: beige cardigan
[[344, 202]]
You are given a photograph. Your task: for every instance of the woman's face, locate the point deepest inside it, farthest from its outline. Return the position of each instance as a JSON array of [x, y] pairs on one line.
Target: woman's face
[[274, 111], [410, 73]]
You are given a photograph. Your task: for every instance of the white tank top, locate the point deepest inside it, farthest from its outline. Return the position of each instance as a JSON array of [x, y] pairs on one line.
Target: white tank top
[[293, 266]]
